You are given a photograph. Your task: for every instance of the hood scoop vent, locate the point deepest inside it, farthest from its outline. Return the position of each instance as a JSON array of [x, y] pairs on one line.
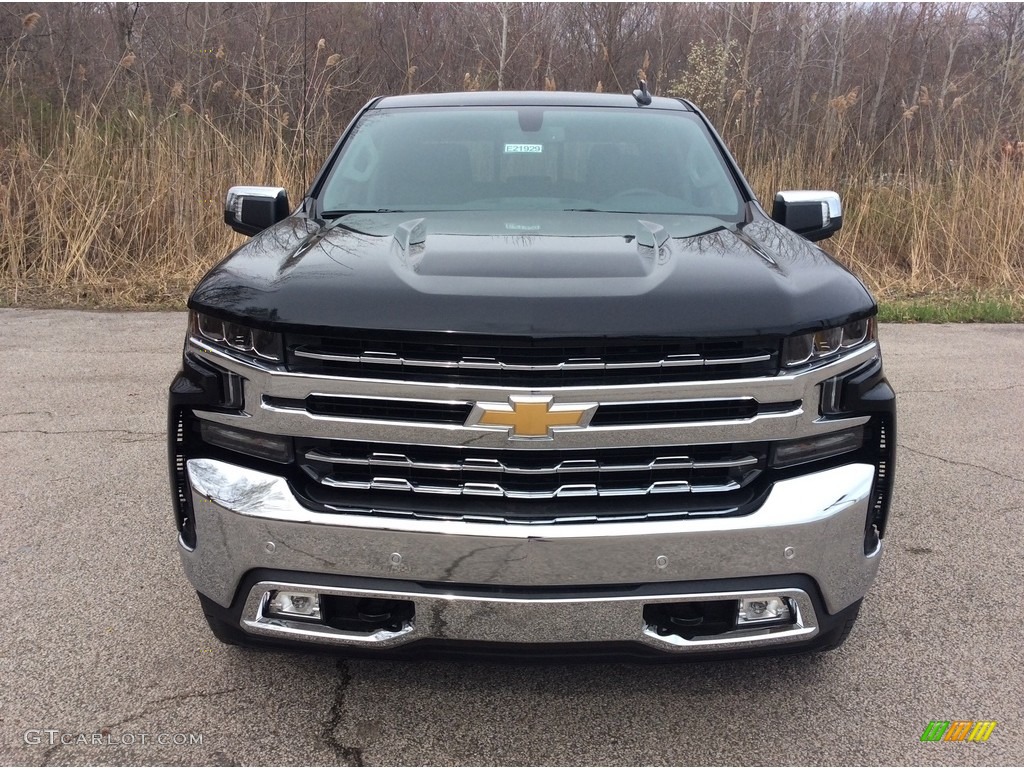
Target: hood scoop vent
[[652, 241], [529, 265], [411, 239]]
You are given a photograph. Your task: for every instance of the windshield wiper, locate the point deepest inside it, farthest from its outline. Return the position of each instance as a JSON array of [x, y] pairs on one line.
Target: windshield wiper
[[339, 213], [631, 213], [605, 210], [336, 219]]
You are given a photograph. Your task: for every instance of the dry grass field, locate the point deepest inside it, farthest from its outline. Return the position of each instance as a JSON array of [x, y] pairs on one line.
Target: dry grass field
[[114, 198]]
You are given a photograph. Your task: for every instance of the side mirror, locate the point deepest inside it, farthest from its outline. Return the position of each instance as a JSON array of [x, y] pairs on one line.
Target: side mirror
[[814, 214], [250, 210]]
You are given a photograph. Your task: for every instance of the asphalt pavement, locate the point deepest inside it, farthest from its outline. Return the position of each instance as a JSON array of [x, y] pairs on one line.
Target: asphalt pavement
[[105, 657]]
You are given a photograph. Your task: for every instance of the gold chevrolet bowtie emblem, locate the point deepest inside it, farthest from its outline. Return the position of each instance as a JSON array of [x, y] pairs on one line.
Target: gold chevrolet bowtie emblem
[[531, 417]]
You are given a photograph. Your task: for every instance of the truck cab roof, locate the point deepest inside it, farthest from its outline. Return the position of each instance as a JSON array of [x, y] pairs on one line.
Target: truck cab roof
[[525, 98]]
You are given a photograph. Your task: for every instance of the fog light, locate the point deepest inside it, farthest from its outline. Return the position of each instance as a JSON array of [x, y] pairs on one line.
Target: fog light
[[304, 605], [764, 610]]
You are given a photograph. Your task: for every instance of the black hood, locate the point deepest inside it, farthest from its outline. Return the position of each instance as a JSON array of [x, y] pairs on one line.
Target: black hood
[[534, 274]]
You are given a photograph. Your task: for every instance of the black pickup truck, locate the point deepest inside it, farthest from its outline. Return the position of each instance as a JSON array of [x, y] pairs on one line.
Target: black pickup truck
[[531, 372]]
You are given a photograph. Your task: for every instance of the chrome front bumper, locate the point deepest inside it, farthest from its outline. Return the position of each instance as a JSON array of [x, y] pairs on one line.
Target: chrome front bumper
[[528, 621], [246, 520]]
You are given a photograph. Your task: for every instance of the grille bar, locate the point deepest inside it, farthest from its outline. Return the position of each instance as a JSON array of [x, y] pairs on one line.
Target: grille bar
[[458, 411], [495, 465], [525, 361], [580, 490], [492, 364], [532, 477]]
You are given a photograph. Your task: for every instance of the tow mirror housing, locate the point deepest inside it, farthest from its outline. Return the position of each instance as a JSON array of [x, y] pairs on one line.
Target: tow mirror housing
[[815, 214], [250, 210]]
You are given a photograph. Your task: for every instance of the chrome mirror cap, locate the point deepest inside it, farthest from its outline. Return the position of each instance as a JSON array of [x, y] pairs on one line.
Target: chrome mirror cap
[[250, 210], [815, 214]]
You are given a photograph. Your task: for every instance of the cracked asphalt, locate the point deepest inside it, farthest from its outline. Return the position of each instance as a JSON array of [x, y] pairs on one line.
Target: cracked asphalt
[[103, 645]]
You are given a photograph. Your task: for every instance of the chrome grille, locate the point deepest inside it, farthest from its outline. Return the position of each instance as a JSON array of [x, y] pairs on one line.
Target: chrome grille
[[458, 411], [515, 361], [652, 450], [389, 474], [471, 464]]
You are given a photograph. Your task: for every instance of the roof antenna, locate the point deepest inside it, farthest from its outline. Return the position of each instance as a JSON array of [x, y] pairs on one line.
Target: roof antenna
[[641, 94]]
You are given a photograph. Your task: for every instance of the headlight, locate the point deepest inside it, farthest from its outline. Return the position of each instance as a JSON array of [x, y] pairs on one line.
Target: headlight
[[810, 347], [264, 345]]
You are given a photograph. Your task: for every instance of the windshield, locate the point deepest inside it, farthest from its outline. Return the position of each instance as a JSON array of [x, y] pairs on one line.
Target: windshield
[[531, 158]]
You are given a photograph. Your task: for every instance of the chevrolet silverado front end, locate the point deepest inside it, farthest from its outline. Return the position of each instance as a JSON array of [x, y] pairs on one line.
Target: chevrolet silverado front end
[[531, 373]]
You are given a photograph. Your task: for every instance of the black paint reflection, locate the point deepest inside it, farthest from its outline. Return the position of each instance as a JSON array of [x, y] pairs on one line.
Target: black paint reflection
[[535, 273]]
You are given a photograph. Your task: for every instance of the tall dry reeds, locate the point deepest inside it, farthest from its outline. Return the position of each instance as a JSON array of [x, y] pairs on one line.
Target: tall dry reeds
[[119, 201], [125, 206], [930, 208]]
